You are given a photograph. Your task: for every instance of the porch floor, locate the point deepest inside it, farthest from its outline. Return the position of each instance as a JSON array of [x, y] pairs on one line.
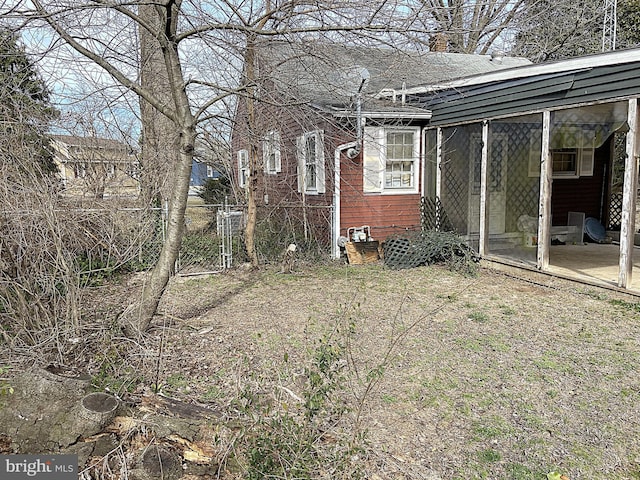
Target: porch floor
[[593, 263]]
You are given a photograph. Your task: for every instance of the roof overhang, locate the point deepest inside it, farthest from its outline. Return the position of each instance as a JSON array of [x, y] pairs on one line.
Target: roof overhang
[[424, 115], [390, 112], [616, 57]]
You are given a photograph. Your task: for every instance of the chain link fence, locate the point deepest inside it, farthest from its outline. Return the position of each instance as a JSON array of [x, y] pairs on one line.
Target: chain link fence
[[212, 240]]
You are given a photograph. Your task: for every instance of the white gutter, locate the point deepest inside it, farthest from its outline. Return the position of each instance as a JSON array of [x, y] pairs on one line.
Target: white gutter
[[424, 115], [617, 57], [335, 228]]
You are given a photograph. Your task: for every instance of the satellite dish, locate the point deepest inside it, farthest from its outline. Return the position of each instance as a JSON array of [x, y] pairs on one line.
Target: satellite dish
[[351, 80]]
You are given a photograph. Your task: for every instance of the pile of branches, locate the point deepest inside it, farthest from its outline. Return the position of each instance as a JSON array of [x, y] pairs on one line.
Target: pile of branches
[[415, 249]]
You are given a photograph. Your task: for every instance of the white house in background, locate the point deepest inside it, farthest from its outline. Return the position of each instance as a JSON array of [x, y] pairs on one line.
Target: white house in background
[[96, 167]]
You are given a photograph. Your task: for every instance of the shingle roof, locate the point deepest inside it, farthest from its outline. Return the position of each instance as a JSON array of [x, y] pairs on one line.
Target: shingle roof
[[92, 142], [327, 73]]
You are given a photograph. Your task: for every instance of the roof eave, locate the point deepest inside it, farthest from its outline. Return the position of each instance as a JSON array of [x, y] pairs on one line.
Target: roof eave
[[426, 115], [572, 64]]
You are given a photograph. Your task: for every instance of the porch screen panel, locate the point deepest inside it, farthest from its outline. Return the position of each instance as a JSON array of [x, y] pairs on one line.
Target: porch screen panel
[[619, 141], [582, 140], [588, 153], [430, 163], [513, 187], [460, 188]]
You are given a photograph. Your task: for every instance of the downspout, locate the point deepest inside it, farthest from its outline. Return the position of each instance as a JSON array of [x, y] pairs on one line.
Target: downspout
[[353, 150], [335, 230]]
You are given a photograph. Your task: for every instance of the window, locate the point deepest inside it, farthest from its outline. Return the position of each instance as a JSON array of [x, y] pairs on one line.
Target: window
[[111, 170], [564, 161], [311, 177], [390, 161], [210, 171], [80, 170], [271, 153], [133, 170], [243, 168], [574, 162], [399, 164]]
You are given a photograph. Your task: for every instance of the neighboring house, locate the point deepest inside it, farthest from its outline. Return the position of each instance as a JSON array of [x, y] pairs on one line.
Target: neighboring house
[[533, 156], [210, 160], [201, 173], [95, 167], [336, 142]]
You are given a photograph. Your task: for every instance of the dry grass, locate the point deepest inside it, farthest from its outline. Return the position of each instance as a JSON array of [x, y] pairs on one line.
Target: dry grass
[[487, 377], [490, 377]]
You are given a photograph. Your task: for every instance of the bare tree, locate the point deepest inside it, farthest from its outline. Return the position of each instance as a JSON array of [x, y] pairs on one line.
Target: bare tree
[[190, 38], [472, 26], [553, 30], [628, 13]]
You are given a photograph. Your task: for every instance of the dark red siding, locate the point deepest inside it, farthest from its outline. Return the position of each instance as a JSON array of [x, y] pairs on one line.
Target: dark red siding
[[385, 214], [585, 194]]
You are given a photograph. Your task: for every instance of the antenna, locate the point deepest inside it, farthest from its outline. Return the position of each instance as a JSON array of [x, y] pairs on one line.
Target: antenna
[[609, 25]]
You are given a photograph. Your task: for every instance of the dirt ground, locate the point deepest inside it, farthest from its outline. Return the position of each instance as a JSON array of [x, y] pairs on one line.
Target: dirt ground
[[485, 377]]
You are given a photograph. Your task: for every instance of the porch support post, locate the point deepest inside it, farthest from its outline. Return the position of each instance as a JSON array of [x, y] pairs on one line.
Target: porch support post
[[482, 246], [629, 192], [438, 172], [544, 208]]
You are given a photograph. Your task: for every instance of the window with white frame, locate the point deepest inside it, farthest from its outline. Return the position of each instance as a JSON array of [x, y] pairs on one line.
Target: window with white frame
[[243, 168], [210, 171], [391, 159], [311, 163], [80, 170], [571, 162], [271, 153]]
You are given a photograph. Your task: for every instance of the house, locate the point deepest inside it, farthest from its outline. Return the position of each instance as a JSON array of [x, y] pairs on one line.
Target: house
[[211, 159], [95, 167], [201, 173], [524, 160], [520, 159], [337, 144]]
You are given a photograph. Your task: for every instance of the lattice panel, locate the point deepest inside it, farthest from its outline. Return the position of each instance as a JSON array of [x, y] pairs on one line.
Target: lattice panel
[[434, 216], [615, 212]]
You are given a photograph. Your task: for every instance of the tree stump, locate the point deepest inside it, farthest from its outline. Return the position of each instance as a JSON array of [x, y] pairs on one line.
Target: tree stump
[[49, 412]]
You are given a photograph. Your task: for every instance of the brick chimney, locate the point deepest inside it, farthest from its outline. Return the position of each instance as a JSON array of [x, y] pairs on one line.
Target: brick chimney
[[438, 42]]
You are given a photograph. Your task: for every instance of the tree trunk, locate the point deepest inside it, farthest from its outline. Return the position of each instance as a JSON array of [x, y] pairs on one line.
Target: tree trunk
[[252, 209], [160, 142], [137, 318]]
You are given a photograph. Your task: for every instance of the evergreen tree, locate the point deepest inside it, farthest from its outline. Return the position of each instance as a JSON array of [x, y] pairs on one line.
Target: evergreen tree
[[25, 110]]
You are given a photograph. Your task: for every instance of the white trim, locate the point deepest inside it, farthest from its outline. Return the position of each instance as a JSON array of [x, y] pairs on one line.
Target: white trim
[[243, 167], [544, 208], [629, 190], [617, 57], [482, 247], [301, 141]]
